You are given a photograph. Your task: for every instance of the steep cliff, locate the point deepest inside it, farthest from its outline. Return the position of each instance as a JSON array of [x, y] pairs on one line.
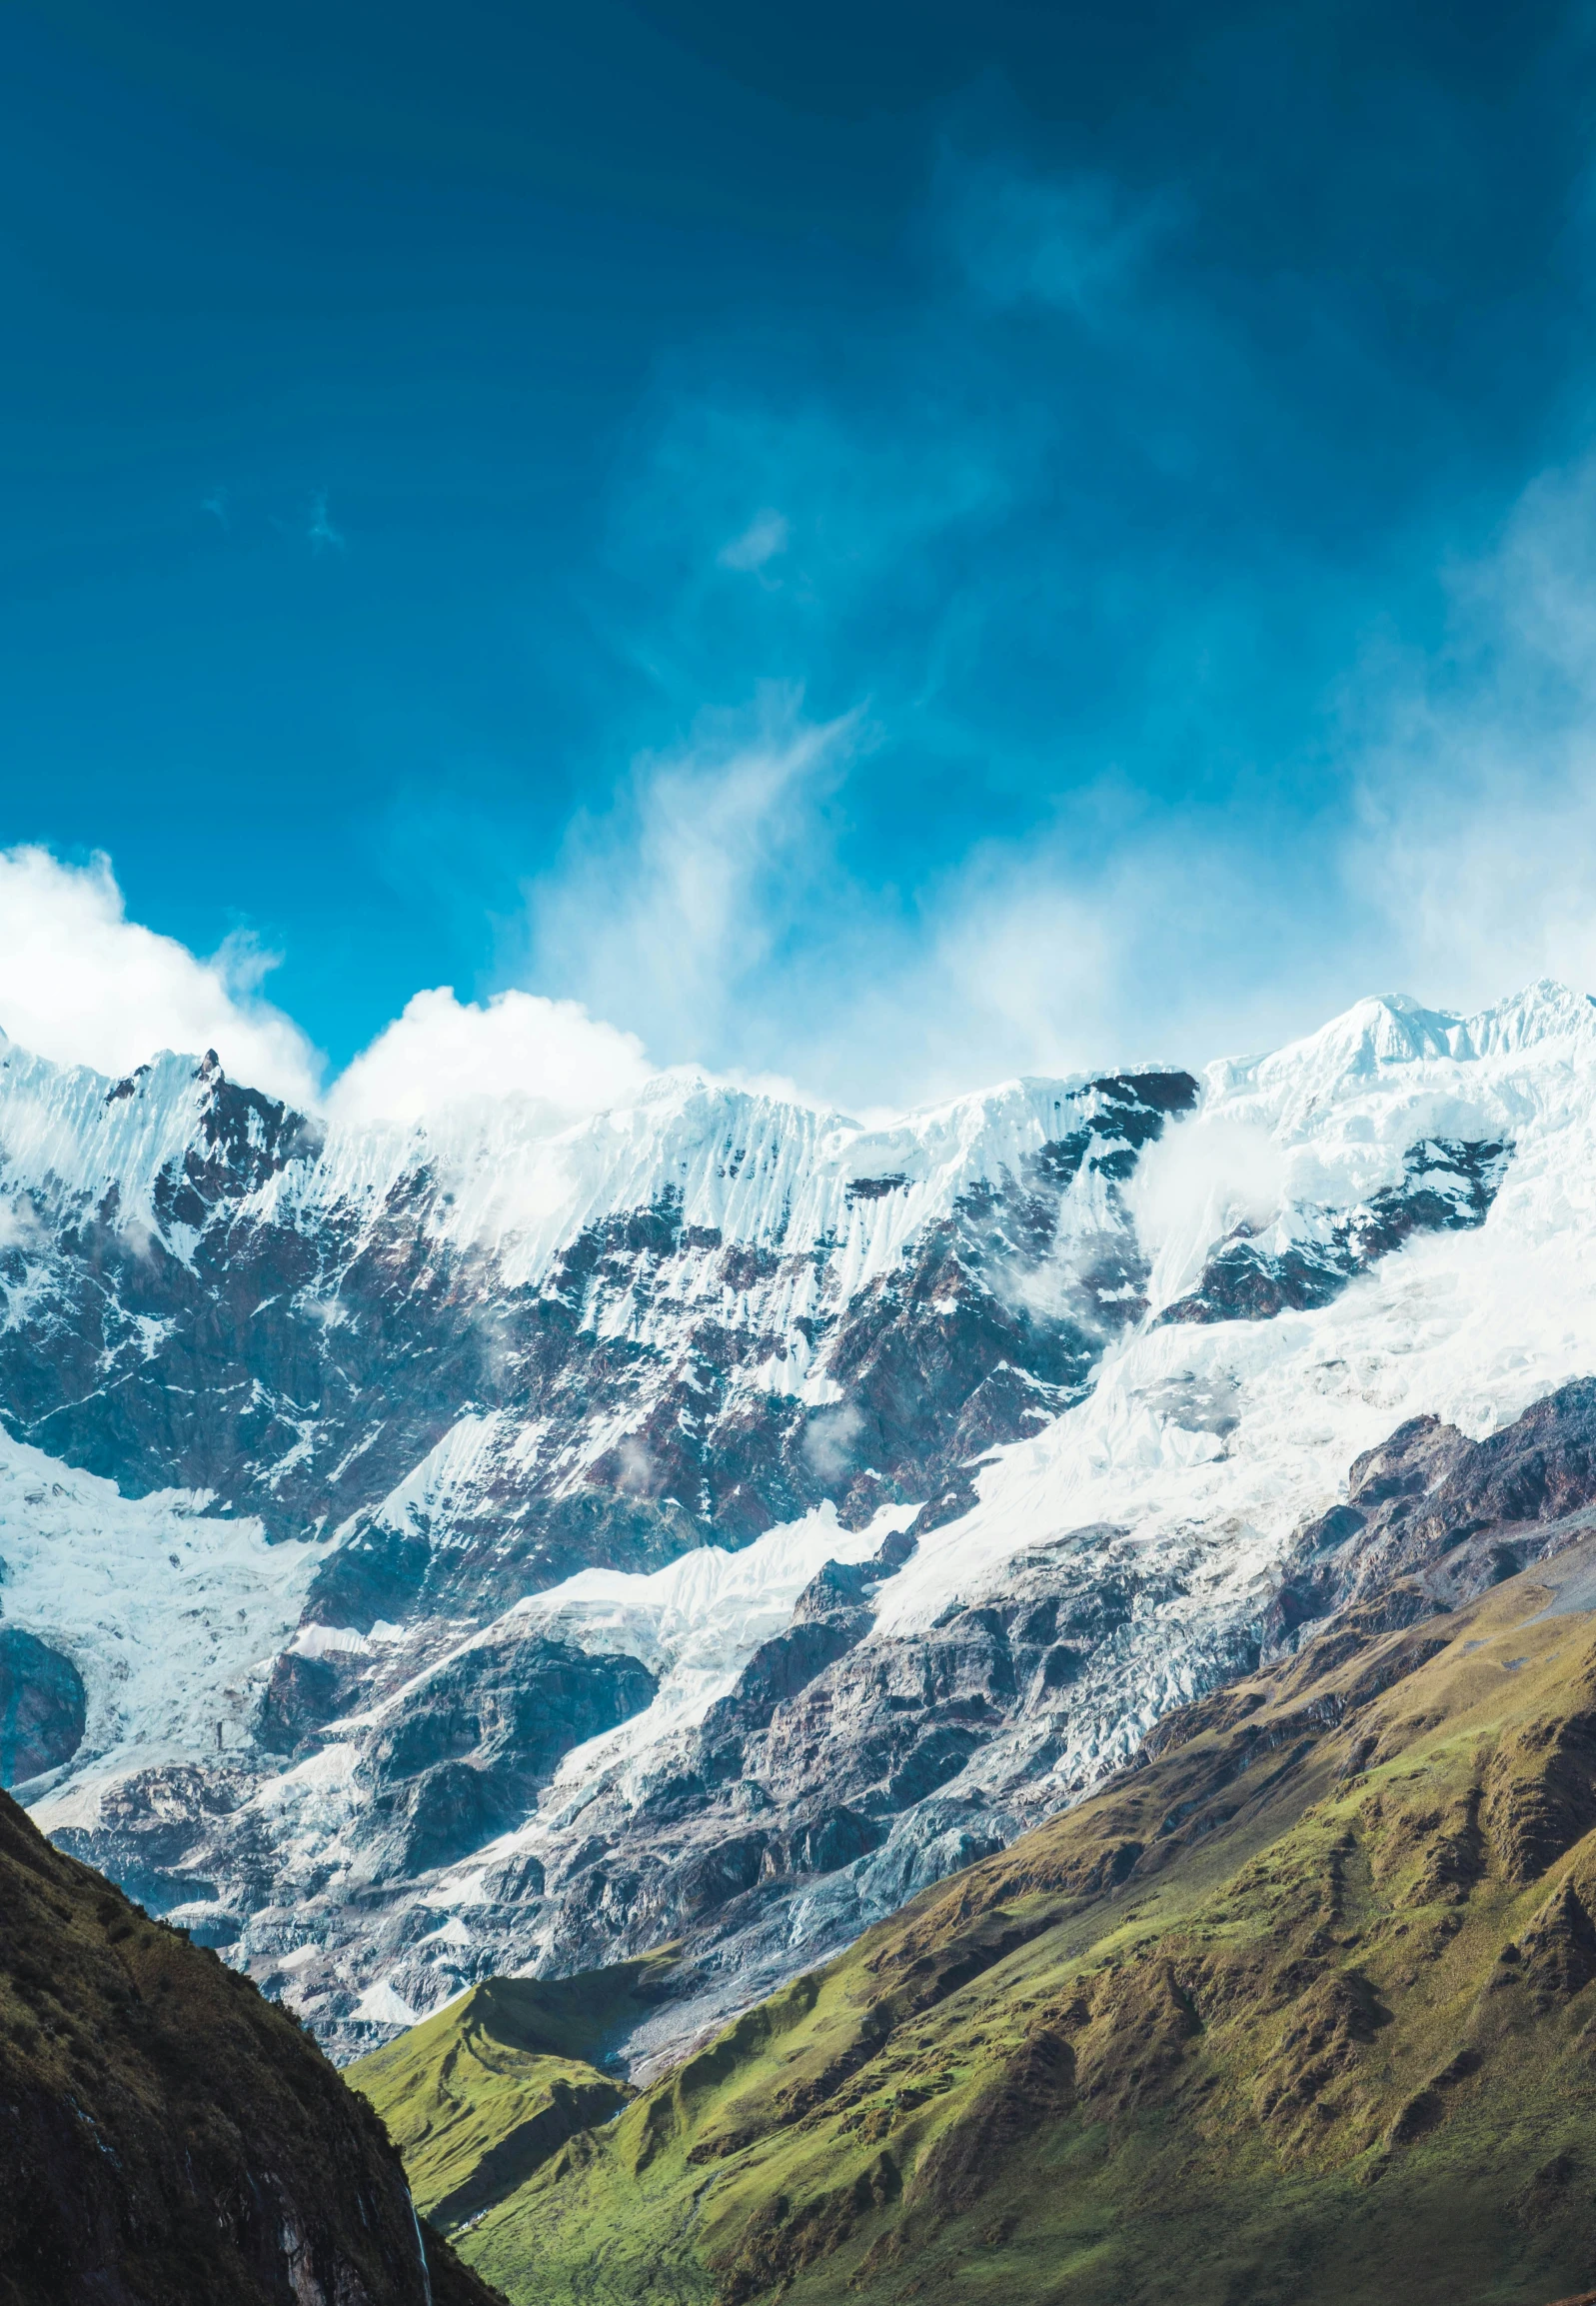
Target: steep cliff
[[167, 2136]]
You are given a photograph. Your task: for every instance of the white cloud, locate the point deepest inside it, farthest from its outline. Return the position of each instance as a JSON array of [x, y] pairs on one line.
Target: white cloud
[[829, 1439], [669, 910], [83, 984], [765, 537], [1475, 834], [1194, 1184], [442, 1053], [713, 909]]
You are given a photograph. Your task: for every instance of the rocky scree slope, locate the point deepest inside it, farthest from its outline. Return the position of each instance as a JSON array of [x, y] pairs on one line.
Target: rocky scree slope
[[1301, 2008], [471, 1548], [170, 2138]]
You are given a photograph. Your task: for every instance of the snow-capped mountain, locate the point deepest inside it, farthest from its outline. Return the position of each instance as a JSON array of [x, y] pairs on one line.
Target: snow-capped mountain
[[438, 1550]]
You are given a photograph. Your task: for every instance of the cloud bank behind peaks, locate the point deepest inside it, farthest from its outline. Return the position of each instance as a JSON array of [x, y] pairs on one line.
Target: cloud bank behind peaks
[[441, 1053], [83, 984]]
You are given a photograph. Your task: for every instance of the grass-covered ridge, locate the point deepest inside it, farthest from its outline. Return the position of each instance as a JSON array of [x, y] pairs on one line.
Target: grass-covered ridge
[[478, 2095], [1303, 2009]]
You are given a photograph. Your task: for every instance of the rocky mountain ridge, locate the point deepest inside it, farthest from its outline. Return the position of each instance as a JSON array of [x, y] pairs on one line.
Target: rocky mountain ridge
[[477, 1549]]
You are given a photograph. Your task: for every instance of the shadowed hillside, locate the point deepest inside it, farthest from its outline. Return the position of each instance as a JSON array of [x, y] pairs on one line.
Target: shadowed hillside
[[1303, 2009], [170, 2138]]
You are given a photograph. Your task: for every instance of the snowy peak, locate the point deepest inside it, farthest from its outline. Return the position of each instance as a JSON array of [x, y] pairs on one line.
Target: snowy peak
[[1544, 1013], [1302, 1167], [68, 1135], [1356, 1052], [486, 1357]]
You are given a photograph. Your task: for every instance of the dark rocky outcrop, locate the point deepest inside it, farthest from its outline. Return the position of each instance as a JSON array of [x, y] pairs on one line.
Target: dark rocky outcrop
[[831, 1750], [43, 1706], [167, 2134], [477, 1738], [1432, 1518], [1447, 1186]]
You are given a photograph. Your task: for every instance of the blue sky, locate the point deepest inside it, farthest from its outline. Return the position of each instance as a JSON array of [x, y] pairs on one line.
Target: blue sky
[[882, 545]]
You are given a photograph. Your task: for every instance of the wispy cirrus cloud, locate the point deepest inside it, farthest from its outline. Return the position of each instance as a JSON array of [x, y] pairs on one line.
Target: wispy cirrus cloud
[[692, 892], [320, 531], [1473, 827], [717, 907]]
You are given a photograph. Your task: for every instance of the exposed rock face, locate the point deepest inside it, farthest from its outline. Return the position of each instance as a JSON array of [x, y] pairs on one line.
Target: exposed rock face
[[1308, 1260], [845, 1771], [42, 1706], [303, 1330], [1431, 1518], [477, 1738], [166, 2133]]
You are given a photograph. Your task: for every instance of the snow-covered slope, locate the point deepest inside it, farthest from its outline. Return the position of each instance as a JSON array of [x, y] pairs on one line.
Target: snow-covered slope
[[715, 1520]]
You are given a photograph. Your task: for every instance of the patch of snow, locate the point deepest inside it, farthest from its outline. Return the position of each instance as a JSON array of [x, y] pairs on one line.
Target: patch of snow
[[380, 2005]]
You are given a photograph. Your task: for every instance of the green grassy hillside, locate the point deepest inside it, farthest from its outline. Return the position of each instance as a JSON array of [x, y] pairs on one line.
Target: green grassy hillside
[[479, 2096], [1303, 2009]]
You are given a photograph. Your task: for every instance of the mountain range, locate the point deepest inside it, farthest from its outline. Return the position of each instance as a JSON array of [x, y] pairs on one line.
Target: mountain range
[[450, 1551]]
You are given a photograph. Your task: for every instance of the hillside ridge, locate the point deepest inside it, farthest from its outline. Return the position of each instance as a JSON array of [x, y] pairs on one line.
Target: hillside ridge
[[1300, 2008], [167, 2136]]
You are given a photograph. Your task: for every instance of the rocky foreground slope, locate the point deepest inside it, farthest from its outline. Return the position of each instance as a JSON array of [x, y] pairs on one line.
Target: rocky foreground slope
[[167, 2136], [1303, 2008], [441, 1551]]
